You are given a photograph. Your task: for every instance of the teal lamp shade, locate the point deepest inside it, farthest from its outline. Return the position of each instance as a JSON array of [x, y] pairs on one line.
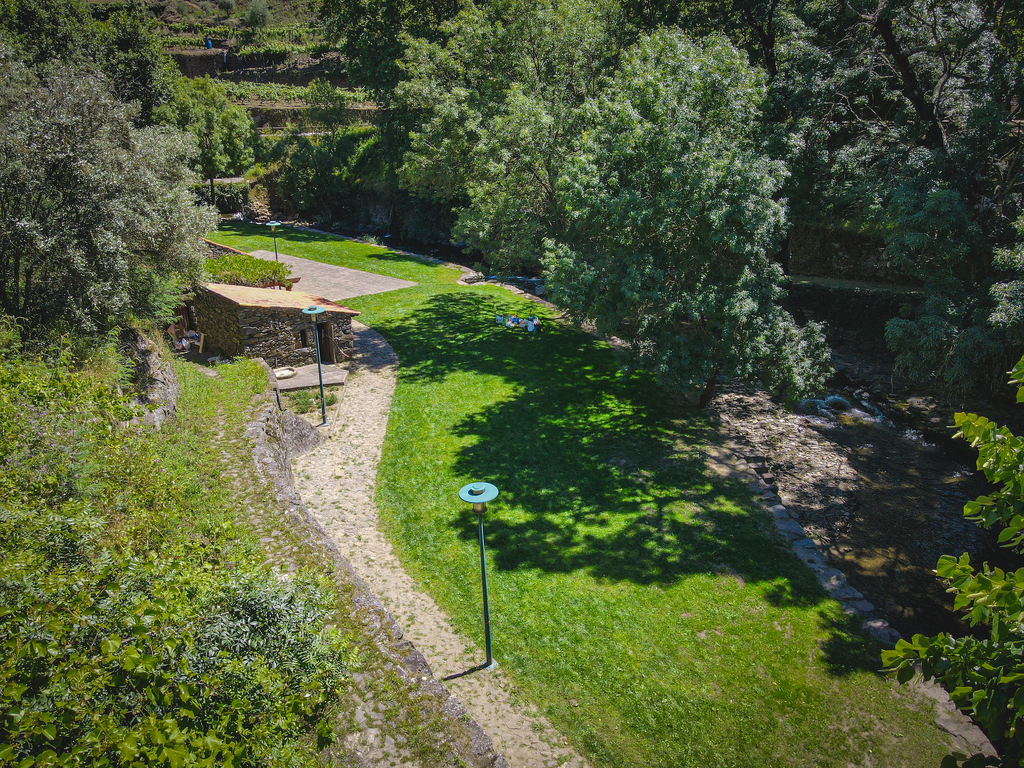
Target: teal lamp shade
[[478, 493]]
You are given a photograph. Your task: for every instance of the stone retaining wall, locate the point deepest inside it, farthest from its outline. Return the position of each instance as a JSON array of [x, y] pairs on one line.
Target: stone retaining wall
[[199, 63], [216, 249]]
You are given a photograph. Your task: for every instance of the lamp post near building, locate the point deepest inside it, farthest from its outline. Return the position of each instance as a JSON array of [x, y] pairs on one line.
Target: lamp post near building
[[478, 494], [273, 230], [315, 313]]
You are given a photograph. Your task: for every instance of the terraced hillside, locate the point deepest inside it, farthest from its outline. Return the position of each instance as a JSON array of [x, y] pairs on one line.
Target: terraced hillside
[[266, 53]]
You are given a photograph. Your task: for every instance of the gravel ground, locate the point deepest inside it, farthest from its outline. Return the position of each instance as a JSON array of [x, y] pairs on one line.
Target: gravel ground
[[337, 482]]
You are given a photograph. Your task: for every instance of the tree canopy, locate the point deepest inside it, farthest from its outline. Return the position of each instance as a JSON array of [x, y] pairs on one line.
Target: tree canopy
[[224, 132], [671, 209], [501, 106], [97, 217], [635, 177], [126, 47]]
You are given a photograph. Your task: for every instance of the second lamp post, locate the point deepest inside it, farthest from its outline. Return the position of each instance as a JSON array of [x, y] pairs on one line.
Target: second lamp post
[[273, 230], [315, 313], [478, 494]]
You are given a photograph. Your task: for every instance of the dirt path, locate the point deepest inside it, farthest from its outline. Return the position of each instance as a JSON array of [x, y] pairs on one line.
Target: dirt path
[[337, 482]]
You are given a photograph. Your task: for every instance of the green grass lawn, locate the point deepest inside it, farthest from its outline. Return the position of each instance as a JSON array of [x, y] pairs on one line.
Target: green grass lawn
[[642, 603]]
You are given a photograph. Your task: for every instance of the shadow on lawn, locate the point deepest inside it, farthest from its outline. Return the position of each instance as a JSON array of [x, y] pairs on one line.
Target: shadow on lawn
[[597, 471]]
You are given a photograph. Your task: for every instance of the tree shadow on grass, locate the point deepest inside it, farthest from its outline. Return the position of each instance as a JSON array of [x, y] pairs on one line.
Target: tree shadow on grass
[[597, 472]]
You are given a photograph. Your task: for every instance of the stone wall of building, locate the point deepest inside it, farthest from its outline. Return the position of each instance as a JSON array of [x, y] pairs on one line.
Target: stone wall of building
[[217, 318], [274, 334]]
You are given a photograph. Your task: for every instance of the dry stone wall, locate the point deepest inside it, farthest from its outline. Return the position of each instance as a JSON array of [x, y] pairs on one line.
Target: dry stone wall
[[199, 63], [217, 318], [273, 333]]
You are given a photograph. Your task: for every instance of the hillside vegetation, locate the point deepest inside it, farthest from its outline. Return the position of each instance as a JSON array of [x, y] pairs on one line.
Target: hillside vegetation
[[140, 621]]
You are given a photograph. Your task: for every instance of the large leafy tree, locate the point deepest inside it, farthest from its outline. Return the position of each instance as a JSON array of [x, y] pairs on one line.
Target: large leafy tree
[[97, 219], [985, 675], [373, 34], [127, 47], [501, 108], [225, 132], [48, 30], [133, 60], [671, 209], [903, 115]]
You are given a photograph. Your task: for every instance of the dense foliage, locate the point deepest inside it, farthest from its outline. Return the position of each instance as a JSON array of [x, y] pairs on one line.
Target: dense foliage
[[225, 133], [671, 209], [133, 60], [897, 120], [97, 218], [122, 42], [503, 104], [637, 179], [138, 626], [985, 677]]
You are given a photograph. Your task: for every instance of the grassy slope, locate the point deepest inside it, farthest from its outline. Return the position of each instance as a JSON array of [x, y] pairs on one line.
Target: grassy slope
[[641, 603]]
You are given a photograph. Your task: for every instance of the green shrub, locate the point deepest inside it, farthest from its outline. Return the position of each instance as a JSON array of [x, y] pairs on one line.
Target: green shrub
[[229, 197], [136, 626], [243, 269], [226, 6], [256, 14]]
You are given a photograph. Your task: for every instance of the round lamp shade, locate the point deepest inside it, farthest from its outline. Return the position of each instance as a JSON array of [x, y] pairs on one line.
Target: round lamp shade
[[478, 493]]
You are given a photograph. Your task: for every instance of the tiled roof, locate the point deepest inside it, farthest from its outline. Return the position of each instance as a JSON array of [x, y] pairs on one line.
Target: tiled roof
[[245, 296]]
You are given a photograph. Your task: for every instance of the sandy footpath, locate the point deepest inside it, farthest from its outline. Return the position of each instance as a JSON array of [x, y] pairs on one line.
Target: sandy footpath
[[337, 482]]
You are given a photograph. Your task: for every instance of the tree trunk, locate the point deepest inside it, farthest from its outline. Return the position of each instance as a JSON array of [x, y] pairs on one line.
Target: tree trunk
[[710, 386], [213, 200]]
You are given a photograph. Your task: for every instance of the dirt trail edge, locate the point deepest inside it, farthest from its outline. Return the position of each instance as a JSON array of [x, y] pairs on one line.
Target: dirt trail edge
[[337, 482]]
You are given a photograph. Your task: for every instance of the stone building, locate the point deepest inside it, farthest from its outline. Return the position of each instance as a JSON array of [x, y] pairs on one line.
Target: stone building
[[268, 323]]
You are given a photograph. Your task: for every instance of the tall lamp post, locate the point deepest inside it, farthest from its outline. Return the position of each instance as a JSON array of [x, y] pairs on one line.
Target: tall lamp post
[[315, 313], [273, 230], [478, 494]]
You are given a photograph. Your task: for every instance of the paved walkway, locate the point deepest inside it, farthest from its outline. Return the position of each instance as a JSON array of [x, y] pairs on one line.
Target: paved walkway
[[306, 376], [335, 283]]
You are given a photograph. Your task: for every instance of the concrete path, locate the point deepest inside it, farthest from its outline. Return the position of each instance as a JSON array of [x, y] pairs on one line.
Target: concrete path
[[334, 283], [306, 376]]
